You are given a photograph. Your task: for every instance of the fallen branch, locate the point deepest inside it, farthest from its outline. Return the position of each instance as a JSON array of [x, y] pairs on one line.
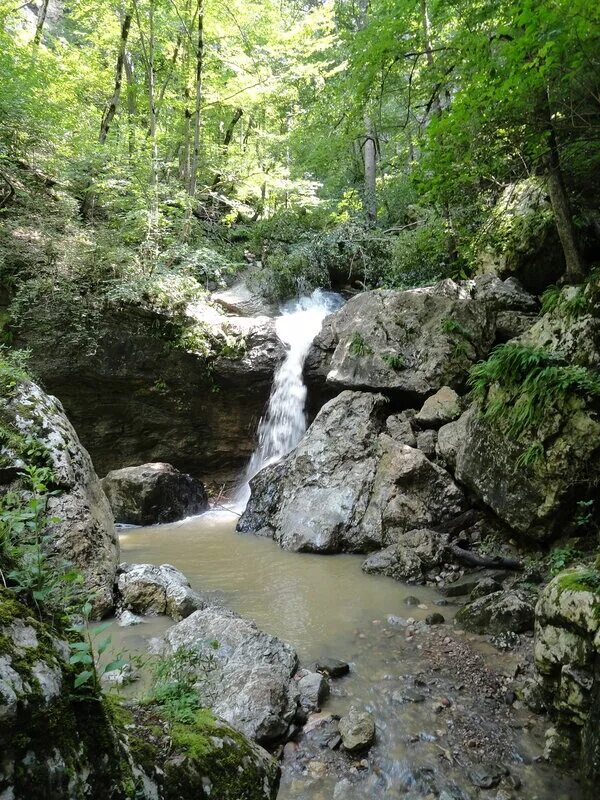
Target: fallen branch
[[475, 560]]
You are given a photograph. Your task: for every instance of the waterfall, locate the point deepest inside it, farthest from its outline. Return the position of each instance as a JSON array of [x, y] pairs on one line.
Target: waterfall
[[284, 422]]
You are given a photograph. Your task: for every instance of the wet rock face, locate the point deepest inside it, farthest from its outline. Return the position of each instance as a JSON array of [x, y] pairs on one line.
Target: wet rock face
[[410, 343], [153, 493], [135, 394], [347, 487], [566, 653], [147, 589], [251, 687], [84, 533]]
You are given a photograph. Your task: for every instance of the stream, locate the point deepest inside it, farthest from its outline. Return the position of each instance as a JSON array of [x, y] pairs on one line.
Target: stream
[[438, 695], [326, 606]]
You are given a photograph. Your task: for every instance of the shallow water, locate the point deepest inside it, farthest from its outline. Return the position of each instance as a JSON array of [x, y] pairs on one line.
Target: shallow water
[[326, 606]]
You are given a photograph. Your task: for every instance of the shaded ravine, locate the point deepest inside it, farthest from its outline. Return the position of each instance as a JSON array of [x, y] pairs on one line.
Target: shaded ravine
[[325, 606]]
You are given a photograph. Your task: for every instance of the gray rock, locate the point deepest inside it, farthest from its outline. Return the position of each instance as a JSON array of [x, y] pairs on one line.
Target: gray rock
[[439, 409], [252, 686], [333, 667], [486, 776], [153, 493], [125, 619], [244, 298], [399, 427], [412, 342], [316, 498], [357, 729], [510, 324], [498, 612], [532, 502], [148, 589], [426, 443], [314, 689], [484, 587], [84, 534], [407, 696], [435, 619], [419, 551]]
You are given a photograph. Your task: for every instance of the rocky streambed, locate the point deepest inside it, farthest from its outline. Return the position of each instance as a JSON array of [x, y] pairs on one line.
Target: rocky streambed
[[448, 722]]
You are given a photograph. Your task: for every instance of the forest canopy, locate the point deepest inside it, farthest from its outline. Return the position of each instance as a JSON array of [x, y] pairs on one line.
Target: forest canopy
[[370, 139]]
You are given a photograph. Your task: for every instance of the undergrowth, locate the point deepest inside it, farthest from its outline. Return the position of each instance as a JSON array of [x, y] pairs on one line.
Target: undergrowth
[[529, 385]]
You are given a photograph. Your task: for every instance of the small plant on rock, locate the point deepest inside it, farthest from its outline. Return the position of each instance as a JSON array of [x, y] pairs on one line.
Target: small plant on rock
[[358, 346]]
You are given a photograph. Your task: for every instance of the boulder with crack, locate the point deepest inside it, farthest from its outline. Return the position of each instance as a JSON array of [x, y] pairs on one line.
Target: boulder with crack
[[349, 487], [252, 685]]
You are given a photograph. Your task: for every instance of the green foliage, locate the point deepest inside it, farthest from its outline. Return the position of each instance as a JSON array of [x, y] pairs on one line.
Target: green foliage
[[395, 361], [420, 256], [520, 387], [86, 651], [562, 557], [358, 346], [181, 682], [585, 580]]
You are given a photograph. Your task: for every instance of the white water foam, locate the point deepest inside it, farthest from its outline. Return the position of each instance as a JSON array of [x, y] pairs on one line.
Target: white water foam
[[284, 422]]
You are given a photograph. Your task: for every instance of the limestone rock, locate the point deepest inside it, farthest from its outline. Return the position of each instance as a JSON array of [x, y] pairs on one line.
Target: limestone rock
[[140, 385], [408, 561], [534, 503], [251, 687], [528, 248], [410, 342], [147, 589], [357, 729], [314, 689], [84, 533], [426, 443], [439, 409], [153, 493], [315, 499], [498, 612], [347, 488], [399, 427]]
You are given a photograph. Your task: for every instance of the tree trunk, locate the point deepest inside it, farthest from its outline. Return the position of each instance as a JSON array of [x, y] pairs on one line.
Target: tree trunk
[[195, 159], [426, 24], [131, 106], [237, 115], [562, 211], [370, 168], [39, 27], [113, 103]]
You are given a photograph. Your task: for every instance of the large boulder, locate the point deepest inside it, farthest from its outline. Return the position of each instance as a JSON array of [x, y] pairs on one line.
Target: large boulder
[[62, 741], [348, 487], [537, 499], [141, 385], [147, 589], [410, 343], [316, 498], [521, 239], [252, 686], [153, 493], [81, 528]]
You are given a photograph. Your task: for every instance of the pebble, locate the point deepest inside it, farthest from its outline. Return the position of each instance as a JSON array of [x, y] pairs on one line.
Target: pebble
[[411, 600], [435, 619]]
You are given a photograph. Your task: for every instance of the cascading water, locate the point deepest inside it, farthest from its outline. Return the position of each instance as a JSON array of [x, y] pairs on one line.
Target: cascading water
[[284, 422]]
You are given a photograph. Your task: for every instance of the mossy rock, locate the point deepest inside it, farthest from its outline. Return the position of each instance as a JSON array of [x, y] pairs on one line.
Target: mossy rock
[[206, 758]]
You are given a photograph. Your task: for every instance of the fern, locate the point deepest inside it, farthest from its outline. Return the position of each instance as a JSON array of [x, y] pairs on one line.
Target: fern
[[530, 384]]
